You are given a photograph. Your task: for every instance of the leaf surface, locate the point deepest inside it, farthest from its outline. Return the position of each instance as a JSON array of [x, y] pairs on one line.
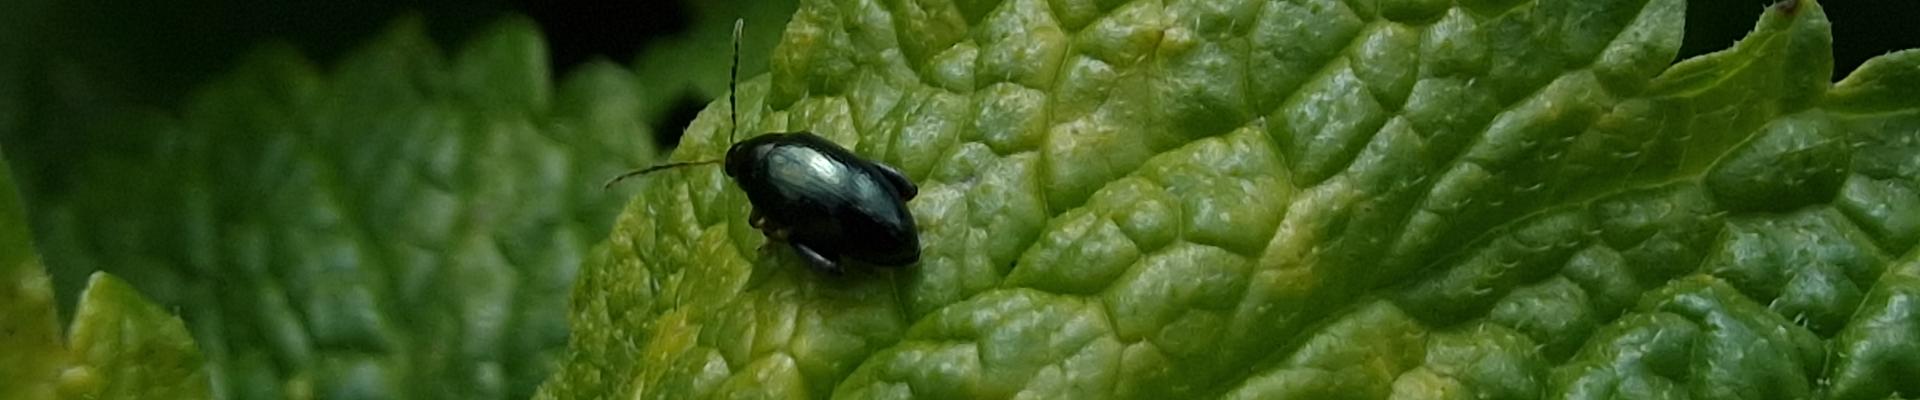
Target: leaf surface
[[1302, 199]]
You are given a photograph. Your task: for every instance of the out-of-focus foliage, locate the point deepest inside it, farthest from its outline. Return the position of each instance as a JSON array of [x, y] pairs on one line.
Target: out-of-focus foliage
[[28, 329], [120, 346], [398, 227], [401, 225], [1307, 199]]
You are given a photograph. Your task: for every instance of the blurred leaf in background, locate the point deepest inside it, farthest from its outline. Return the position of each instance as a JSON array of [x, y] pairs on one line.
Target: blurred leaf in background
[[396, 224]]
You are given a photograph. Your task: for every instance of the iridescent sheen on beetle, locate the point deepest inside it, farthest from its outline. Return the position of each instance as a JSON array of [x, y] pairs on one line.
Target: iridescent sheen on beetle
[[824, 201]]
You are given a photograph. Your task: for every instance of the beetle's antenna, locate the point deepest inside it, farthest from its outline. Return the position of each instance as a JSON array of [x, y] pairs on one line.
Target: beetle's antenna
[[649, 170], [733, 82], [733, 85]]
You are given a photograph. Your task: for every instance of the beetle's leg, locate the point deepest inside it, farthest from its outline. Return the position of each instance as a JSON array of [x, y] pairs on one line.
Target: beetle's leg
[[907, 189], [775, 233], [773, 230], [815, 259]]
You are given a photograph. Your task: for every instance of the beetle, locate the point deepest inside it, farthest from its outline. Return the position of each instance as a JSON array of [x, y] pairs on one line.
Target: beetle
[[821, 199]]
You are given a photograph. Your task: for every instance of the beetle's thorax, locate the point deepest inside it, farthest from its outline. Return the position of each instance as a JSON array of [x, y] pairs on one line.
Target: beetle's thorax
[[742, 156]]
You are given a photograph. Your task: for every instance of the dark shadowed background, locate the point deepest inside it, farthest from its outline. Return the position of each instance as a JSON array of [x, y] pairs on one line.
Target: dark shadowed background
[[70, 59]]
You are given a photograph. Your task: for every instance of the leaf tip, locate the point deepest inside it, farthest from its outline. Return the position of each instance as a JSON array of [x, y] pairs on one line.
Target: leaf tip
[[1788, 7]]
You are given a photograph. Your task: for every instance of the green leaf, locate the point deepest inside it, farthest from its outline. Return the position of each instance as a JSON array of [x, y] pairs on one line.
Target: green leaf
[[121, 345], [126, 347], [404, 223], [28, 330], [401, 225], [1309, 199]]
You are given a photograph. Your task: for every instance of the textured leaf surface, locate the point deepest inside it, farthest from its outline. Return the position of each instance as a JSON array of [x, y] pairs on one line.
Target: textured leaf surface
[[120, 346], [1295, 199]]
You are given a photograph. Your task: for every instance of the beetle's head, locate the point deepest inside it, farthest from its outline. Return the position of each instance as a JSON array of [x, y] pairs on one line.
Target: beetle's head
[[736, 160], [742, 155]]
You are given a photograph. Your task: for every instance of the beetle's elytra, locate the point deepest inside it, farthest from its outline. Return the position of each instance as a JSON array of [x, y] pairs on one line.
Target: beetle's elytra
[[824, 201]]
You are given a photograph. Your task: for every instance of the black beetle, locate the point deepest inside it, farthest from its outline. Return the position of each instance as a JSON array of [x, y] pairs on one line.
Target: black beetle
[[818, 197]]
